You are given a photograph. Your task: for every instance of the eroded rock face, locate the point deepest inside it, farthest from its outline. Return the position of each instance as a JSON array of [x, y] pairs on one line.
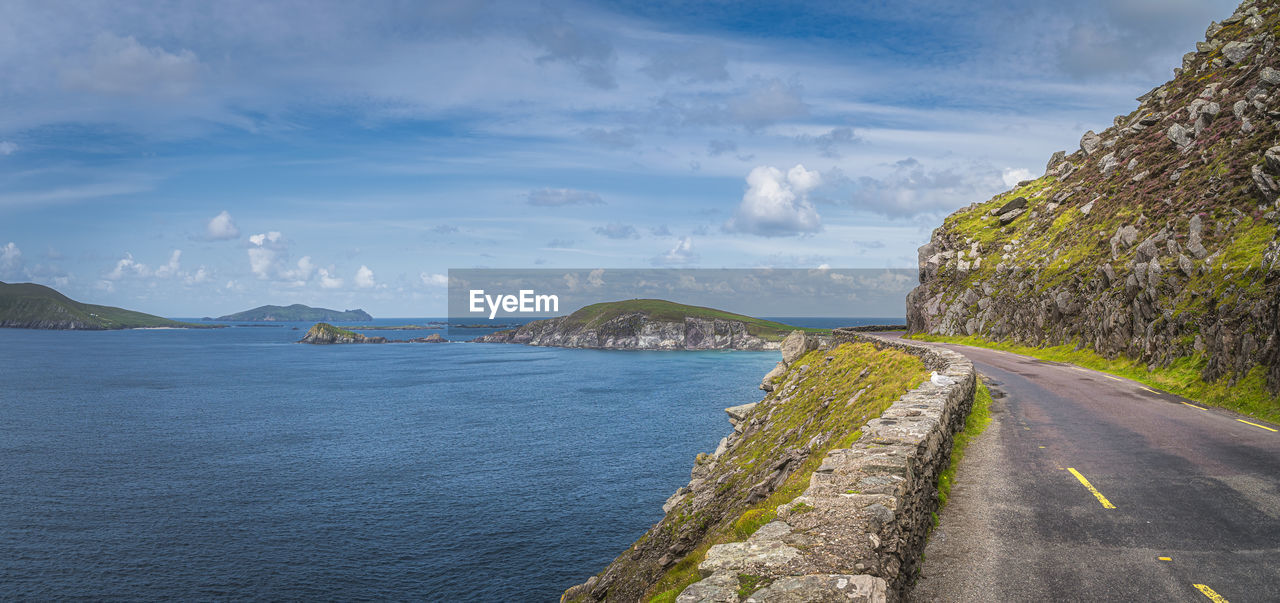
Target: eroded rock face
[[797, 344], [636, 331], [1162, 243], [324, 333]]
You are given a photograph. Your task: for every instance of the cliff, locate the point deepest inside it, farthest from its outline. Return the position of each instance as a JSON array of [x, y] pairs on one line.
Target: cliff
[[647, 324], [297, 313], [1156, 240], [783, 503], [32, 306]]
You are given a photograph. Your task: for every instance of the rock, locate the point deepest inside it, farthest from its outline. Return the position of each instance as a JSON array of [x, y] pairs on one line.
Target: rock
[[1086, 208], [1015, 204], [824, 588], [1239, 108], [1214, 28], [1272, 159], [778, 370], [1054, 160], [1124, 238], [738, 414], [1185, 265], [1011, 216], [797, 344], [1108, 163], [1236, 51], [1265, 184], [432, 338], [324, 333], [1194, 244], [1179, 135], [1090, 142], [720, 587], [1269, 77]]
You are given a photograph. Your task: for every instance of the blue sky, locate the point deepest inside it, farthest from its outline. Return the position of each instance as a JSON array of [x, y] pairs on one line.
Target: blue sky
[[196, 158]]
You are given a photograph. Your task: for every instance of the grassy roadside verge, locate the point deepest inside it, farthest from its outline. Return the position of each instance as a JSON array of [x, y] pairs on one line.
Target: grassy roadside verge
[[1248, 396], [977, 421]]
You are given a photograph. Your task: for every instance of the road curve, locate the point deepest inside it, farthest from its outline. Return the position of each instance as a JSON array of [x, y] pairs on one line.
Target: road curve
[[1088, 487]]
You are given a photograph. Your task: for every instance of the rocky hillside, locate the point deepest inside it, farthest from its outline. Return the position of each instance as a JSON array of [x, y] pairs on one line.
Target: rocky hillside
[[297, 313], [647, 324], [818, 401], [1155, 240], [32, 306]]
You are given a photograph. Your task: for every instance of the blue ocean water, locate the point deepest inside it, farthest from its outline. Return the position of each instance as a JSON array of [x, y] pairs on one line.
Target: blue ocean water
[[234, 463]]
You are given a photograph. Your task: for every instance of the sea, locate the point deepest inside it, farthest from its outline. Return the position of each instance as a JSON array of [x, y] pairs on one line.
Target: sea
[[235, 463]]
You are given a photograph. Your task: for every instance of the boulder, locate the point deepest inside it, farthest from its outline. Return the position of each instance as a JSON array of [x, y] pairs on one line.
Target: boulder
[[1179, 135], [1236, 51], [1013, 205], [779, 370], [1194, 246], [1090, 142], [1269, 77], [1011, 216], [1054, 160], [797, 344]]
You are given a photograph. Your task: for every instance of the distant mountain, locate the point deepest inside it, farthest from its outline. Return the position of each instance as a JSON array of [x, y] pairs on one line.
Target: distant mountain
[[32, 306], [648, 324], [297, 313]]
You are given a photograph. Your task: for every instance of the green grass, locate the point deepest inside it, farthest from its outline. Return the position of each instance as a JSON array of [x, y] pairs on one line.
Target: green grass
[[663, 310], [1248, 396], [977, 421], [28, 304]]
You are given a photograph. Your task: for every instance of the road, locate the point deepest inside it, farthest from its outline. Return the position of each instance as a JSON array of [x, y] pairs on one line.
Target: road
[[1088, 487]]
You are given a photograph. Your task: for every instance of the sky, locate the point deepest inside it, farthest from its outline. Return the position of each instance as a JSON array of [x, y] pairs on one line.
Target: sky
[[201, 158]]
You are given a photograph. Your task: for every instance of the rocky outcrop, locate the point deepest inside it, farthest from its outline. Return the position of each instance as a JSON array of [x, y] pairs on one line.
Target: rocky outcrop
[[1156, 241], [325, 333], [636, 331], [856, 531]]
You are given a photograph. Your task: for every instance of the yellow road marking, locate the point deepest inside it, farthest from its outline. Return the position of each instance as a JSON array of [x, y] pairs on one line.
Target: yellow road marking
[[1255, 425], [1106, 504], [1042, 446], [1148, 389], [1110, 377], [1194, 406], [1165, 558], [1209, 592]]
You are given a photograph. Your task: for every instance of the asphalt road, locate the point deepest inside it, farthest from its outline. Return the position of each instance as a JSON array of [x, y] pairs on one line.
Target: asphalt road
[[1184, 506]]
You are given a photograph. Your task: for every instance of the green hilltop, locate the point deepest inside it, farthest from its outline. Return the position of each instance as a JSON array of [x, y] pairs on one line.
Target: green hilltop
[[32, 306], [667, 311], [297, 313]]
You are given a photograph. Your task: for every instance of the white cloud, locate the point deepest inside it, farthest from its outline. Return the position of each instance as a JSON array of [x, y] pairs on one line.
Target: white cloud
[[10, 261], [200, 276], [127, 266], [777, 204], [1012, 176], [121, 66], [328, 281], [7, 148], [172, 268], [364, 278], [222, 228], [434, 280], [617, 230], [912, 189], [266, 254], [680, 255]]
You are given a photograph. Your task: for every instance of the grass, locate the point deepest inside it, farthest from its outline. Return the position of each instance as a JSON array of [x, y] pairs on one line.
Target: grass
[[663, 310], [28, 303], [807, 403], [977, 421], [1247, 396]]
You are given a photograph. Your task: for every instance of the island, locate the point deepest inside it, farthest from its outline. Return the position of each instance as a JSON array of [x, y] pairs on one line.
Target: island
[[649, 324], [32, 306], [296, 313], [323, 333]]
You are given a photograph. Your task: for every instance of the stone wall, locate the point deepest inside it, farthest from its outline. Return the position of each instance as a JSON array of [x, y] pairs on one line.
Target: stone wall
[[857, 532]]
